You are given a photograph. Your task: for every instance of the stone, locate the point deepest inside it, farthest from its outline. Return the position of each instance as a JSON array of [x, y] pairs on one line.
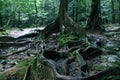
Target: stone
[[1, 68]]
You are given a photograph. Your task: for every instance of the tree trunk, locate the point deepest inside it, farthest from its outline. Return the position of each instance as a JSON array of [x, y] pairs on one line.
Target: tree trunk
[[94, 20], [1, 23], [73, 12], [19, 19], [100, 8], [36, 12], [77, 10], [63, 19], [119, 11], [113, 11]]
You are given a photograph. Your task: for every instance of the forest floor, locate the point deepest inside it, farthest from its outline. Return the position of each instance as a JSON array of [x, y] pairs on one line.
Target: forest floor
[[17, 51]]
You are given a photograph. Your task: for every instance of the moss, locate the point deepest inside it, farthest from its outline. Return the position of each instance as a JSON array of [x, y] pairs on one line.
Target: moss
[[45, 72], [18, 70], [41, 72], [3, 76]]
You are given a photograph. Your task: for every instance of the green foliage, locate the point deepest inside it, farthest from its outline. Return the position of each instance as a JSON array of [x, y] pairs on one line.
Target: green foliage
[[3, 33], [84, 7], [73, 53], [1, 4], [63, 39], [18, 71], [23, 13], [99, 68]]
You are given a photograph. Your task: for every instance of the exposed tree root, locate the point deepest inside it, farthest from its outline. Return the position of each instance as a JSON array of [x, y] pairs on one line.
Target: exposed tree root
[[65, 20], [53, 65], [10, 54]]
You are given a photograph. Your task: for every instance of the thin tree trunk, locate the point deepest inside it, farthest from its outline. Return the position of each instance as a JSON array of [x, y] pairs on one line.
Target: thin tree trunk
[[1, 23], [36, 12], [19, 19], [8, 22], [73, 12], [76, 10], [113, 11], [100, 7], [119, 11]]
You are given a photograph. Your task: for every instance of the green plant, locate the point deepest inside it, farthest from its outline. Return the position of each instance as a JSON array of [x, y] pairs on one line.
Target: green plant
[[3, 33], [63, 39]]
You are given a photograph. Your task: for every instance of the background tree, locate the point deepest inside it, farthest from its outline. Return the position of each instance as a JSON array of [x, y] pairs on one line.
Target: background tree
[[36, 12], [20, 13], [77, 3], [113, 11], [94, 20], [1, 22], [119, 11]]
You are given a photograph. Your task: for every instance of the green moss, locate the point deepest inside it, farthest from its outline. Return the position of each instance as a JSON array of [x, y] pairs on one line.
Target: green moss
[[99, 68], [18, 71], [40, 72], [3, 76], [45, 72]]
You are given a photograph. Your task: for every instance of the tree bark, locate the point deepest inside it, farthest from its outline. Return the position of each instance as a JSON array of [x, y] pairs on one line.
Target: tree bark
[[36, 12], [63, 19], [1, 23], [94, 20], [19, 19], [73, 12], [77, 3], [119, 11], [113, 11]]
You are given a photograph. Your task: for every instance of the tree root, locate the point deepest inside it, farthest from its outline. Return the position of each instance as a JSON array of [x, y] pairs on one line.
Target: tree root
[[54, 65], [19, 51]]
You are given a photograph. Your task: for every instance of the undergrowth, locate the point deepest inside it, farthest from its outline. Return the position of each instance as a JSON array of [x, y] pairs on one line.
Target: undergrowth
[[63, 39]]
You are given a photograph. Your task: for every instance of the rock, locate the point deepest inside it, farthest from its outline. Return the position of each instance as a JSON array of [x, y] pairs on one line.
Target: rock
[[108, 60], [3, 62], [111, 47], [1, 68], [109, 44], [112, 27], [97, 40], [113, 58], [7, 66]]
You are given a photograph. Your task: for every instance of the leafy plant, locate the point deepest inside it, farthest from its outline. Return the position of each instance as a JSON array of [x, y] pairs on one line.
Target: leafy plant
[[63, 39], [3, 33]]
